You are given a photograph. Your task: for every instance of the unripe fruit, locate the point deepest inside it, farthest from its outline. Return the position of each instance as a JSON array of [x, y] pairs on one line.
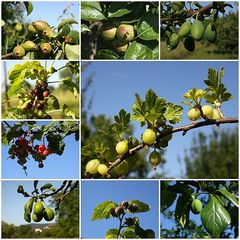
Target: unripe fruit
[[18, 27], [149, 136], [210, 33], [48, 33], [48, 214], [173, 41], [155, 158], [185, 29], [46, 48], [120, 46], [40, 113], [197, 30], [37, 218], [40, 25], [102, 169], [122, 147], [31, 29], [207, 111], [125, 32], [196, 206], [92, 166], [122, 168], [119, 211], [189, 43], [217, 103], [27, 217], [52, 70], [38, 208], [216, 114], [194, 114], [108, 31], [18, 52], [29, 46]]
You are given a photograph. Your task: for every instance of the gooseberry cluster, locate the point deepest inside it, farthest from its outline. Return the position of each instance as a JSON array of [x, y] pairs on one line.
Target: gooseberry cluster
[[22, 148], [206, 111], [120, 36], [39, 211], [123, 208]]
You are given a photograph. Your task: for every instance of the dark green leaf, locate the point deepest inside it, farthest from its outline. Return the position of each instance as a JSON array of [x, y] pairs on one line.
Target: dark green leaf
[[112, 234], [46, 186], [182, 210], [229, 196], [167, 199], [29, 7]]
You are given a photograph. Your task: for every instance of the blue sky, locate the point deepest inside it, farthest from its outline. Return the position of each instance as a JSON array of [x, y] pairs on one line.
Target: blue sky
[[115, 84], [50, 11], [13, 202], [95, 192], [55, 166]]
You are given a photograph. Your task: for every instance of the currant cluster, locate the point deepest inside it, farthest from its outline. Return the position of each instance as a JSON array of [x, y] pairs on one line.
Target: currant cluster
[[22, 148], [37, 100]]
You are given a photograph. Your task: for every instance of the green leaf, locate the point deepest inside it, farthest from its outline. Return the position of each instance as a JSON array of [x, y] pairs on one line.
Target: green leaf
[[72, 52], [91, 11], [147, 27], [173, 113], [103, 210], [112, 234], [67, 21], [123, 118], [119, 9], [138, 51], [84, 28], [128, 233], [53, 102], [182, 210], [73, 87], [106, 54], [167, 199], [151, 98], [29, 7], [215, 218], [64, 32], [68, 112], [46, 186], [229, 196], [141, 206]]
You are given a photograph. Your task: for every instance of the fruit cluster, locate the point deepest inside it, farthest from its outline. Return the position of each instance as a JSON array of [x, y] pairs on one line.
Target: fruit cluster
[[39, 212], [123, 208], [38, 29], [206, 111], [120, 36], [35, 103], [22, 148], [191, 32]]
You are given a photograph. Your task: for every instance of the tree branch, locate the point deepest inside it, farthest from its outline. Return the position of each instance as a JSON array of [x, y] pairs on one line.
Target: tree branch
[[190, 12], [183, 129]]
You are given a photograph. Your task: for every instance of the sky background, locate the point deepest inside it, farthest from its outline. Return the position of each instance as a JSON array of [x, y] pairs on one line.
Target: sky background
[[50, 11], [13, 202], [115, 84], [55, 166], [96, 192]]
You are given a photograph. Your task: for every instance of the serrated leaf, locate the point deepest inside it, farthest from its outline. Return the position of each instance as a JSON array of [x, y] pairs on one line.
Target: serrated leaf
[[173, 113], [229, 196], [128, 233], [112, 234], [141, 206], [150, 98], [215, 218], [103, 210]]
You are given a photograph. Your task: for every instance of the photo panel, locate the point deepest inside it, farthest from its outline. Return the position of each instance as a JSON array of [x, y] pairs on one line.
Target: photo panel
[[199, 209], [40, 30], [114, 30], [40, 209], [199, 30], [40, 149], [114, 209], [40, 90], [175, 120]]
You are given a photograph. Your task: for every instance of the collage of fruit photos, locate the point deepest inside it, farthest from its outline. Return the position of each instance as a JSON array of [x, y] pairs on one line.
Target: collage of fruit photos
[[119, 119]]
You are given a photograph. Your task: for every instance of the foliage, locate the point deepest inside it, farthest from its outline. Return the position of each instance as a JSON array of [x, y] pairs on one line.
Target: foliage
[[160, 117], [21, 137], [39, 102], [214, 156], [128, 227], [192, 22], [219, 215], [114, 30], [38, 40]]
